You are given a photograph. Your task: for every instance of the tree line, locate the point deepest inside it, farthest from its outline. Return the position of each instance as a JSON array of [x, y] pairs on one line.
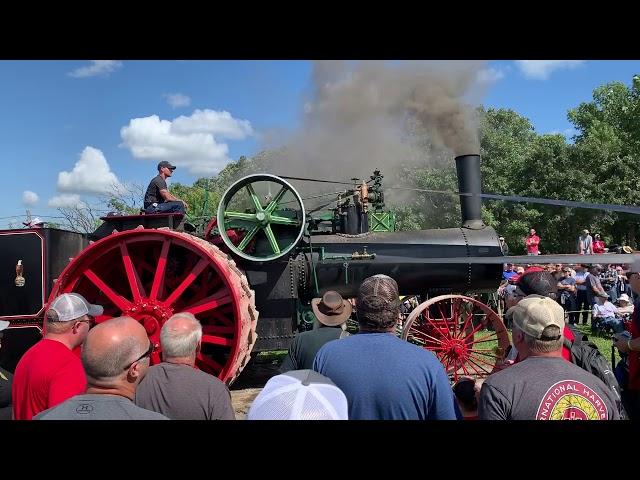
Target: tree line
[[598, 165]]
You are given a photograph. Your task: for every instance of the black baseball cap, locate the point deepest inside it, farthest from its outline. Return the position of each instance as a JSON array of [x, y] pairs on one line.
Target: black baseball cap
[[164, 163]]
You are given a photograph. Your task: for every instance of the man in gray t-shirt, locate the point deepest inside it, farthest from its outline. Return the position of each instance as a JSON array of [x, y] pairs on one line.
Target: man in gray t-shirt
[[543, 386], [115, 357], [175, 387]]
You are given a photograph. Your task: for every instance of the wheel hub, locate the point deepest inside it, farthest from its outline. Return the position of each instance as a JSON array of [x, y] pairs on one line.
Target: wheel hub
[[456, 348], [150, 313]]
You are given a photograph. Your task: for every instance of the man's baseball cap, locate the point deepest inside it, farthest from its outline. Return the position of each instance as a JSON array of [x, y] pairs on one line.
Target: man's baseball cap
[[535, 313], [164, 163], [299, 395], [71, 306], [535, 281]]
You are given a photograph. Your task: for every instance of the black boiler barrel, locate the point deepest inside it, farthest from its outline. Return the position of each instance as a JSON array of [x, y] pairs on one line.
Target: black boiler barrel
[[408, 257]]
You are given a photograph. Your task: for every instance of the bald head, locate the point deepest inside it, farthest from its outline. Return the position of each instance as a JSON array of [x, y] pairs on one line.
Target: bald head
[[111, 346], [180, 336]]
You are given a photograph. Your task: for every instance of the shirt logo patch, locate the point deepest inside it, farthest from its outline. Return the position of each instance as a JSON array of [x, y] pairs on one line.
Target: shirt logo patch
[[571, 400], [84, 409]]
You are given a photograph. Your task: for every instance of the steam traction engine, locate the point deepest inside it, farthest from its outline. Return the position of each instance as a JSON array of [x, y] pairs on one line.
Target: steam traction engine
[[264, 252]]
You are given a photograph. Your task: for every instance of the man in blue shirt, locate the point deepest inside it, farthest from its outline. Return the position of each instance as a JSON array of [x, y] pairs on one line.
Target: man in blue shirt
[[382, 376], [508, 271]]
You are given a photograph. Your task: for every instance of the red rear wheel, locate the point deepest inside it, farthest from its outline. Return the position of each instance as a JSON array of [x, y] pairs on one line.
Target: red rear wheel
[[151, 274], [467, 336]]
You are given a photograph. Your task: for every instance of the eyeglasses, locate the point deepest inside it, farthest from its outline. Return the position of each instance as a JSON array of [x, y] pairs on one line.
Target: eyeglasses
[[89, 321], [145, 354]]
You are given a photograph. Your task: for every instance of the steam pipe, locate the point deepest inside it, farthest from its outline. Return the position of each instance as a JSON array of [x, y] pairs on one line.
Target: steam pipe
[[470, 181]]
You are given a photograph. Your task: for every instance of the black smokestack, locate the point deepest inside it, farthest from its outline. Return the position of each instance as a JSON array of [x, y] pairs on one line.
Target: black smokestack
[[470, 181]]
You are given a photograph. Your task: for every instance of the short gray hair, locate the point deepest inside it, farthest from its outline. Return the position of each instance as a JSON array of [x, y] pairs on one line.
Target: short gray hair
[[176, 343], [536, 345], [110, 363], [54, 325]]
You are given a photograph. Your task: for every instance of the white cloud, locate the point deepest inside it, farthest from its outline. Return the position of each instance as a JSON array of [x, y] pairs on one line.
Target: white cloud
[[91, 174], [177, 100], [66, 200], [489, 75], [29, 198], [542, 69], [97, 67], [191, 142]]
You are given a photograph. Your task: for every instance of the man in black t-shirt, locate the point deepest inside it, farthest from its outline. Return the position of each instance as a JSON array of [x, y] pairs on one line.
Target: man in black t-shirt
[[157, 198]]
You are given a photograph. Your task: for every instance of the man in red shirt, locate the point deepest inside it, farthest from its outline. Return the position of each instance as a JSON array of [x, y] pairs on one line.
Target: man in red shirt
[[531, 242], [49, 372]]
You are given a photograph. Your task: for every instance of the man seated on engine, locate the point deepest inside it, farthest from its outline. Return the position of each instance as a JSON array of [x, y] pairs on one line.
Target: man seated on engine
[[157, 198]]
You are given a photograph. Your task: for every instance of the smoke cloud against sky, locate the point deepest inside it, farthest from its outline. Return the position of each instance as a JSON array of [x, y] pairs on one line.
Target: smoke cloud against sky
[[360, 116]]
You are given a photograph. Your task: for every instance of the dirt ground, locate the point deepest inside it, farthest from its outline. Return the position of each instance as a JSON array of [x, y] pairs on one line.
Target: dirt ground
[[249, 384]]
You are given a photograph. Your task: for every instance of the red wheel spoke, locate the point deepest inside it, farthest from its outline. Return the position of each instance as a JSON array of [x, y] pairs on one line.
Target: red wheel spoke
[[489, 338], [436, 327], [117, 300], [202, 264], [162, 265], [137, 290], [103, 318], [479, 360], [481, 371], [215, 340], [213, 366], [464, 368], [477, 328], [421, 333], [490, 355], [217, 330], [212, 302], [221, 318], [445, 320]]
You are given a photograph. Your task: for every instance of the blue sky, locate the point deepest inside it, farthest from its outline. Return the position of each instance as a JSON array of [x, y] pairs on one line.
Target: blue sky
[[72, 129]]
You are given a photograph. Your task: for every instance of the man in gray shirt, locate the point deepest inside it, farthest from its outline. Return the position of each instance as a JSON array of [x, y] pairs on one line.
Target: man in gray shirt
[[115, 357], [175, 387], [543, 386]]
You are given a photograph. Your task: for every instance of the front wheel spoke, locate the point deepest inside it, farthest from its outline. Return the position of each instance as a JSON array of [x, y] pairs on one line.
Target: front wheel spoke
[[210, 363], [272, 239], [193, 274], [274, 203], [217, 340], [254, 198], [137, 290], [249, 217], [248, 237], [120, 302], [284, 221], [210, 303]]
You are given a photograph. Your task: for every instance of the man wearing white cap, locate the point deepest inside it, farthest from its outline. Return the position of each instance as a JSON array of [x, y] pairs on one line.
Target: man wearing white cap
[[543, 386], [299, 395], [49, 372], [631, 346], [6, 379]]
